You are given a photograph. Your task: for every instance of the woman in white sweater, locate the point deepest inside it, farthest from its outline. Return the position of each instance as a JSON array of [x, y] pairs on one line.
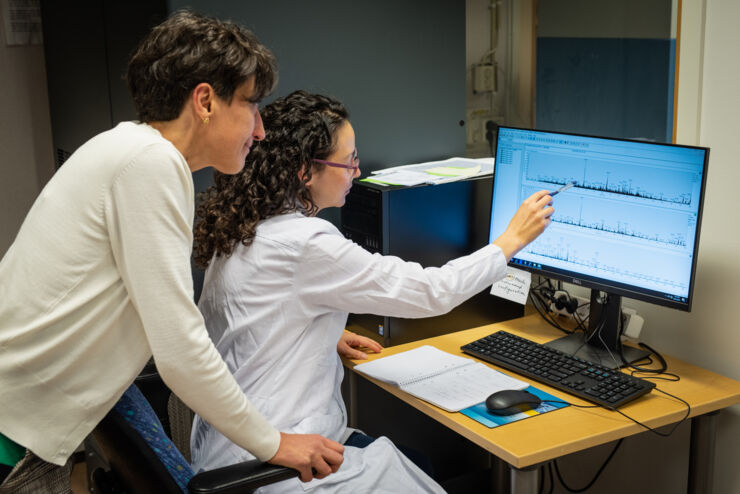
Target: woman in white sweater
[[280, 283], [98, 279]]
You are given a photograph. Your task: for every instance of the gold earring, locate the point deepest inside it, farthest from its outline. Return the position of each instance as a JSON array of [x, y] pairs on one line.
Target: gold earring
[[206, 120]]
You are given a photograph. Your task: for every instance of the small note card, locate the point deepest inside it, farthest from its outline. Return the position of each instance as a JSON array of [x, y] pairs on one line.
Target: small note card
[[514, 286]]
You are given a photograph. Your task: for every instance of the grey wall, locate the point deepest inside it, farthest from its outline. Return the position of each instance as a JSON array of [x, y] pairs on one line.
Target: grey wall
[[26, 156], [87, 47], [399, 66]]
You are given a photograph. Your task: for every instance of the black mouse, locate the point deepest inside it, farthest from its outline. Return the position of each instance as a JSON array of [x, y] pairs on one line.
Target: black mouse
[[511, 401]]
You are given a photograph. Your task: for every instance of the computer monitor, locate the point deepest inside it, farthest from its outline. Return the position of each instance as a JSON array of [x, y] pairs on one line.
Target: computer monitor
[[629, 226]]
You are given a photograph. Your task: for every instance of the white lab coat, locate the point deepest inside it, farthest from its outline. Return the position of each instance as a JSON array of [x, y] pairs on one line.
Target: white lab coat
[[276, 310]]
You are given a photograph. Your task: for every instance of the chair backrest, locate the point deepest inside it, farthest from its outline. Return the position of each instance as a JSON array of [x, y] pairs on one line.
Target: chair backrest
[[140, 454]]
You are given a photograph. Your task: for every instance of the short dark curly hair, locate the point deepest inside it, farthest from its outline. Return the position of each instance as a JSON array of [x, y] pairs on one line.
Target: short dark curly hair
[[298, 127], [188, 49]]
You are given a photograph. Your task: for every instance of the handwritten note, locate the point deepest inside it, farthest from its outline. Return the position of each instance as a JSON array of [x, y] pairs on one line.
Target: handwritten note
[[514, 286]]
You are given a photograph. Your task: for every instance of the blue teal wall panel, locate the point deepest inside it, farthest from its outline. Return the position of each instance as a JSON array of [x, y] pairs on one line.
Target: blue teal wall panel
[[606, 86]]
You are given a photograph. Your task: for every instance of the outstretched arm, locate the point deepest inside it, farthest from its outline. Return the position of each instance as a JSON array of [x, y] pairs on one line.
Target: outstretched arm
[[531, 219]]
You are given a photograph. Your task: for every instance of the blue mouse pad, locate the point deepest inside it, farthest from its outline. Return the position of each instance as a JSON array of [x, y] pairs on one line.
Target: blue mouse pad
[[480, 413]]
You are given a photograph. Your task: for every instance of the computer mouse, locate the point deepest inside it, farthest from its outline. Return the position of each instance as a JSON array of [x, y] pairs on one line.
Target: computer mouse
[[511, 401]]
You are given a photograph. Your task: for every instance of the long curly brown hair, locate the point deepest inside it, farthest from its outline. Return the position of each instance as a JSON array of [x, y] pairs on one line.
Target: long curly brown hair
[[299, 127]]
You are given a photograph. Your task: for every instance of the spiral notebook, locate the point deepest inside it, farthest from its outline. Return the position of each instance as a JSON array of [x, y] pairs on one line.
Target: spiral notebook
[[448, 381]]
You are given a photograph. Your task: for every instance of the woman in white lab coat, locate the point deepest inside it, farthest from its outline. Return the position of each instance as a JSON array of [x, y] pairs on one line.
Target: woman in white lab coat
[[280, 283]]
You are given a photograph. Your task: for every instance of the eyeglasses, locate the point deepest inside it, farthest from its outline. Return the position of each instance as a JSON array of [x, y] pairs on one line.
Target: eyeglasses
[[354, 166]]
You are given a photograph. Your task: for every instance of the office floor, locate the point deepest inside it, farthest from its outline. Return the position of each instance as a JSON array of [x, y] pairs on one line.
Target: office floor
[[79, 478]]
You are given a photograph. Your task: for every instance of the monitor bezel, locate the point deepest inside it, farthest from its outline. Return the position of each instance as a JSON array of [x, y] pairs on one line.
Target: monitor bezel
[[601, 284]]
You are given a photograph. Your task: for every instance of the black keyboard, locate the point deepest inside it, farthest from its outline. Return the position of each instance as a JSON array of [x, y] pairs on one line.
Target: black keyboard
[[606, 387]]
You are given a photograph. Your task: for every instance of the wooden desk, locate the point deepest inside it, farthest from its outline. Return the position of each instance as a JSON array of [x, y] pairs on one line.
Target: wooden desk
[[524, 446]]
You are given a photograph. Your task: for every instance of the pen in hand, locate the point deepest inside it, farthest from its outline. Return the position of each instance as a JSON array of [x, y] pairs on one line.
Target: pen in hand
[[563, 188]]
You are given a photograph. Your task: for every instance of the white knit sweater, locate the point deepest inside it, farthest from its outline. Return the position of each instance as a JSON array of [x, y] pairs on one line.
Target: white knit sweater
[[98, 280]]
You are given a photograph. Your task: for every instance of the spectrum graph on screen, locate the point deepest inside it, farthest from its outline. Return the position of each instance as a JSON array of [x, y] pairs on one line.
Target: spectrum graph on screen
[[630, 220]]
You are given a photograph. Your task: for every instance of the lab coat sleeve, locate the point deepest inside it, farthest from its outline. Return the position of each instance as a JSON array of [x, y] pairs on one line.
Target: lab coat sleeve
[[339, 274], [149, 215]]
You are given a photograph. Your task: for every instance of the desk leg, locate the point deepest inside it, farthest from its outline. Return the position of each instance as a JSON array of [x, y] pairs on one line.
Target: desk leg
[[524, 481], [701, 453], [500, 477]]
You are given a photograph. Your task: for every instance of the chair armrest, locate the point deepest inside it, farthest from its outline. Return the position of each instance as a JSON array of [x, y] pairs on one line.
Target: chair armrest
[[240, 478]]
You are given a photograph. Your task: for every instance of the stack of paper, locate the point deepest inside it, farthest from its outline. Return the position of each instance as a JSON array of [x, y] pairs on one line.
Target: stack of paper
[[432, 172]]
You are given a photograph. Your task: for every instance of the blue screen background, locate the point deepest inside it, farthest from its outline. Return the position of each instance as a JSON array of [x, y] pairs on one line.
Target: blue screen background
[[630, 220]]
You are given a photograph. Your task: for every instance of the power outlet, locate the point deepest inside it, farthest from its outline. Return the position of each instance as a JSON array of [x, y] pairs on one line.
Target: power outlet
[[631, 323], [582, 311], [476, 127], [484, 78]]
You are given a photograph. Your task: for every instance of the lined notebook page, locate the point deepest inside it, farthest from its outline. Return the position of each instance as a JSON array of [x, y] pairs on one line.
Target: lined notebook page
[[448, 381], [406, 367], [462, 387]]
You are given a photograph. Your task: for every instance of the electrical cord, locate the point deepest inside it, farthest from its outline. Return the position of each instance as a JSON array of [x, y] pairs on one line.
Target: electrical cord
[[666, 376], [661, 374], [551, 478], [655, 431], [663, 365], [547, 465], [546, 296], [648, 428], [581, 320], [540, 307], [593, 480], [571, 404], [540, 296], [596, 331], [557, 470], [611, 455], [491, 129], [540, 472], [614, 359], [606, 462], [536, 295]]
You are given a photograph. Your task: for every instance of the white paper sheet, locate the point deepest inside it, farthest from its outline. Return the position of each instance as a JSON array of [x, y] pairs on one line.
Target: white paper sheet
[[514, 286]]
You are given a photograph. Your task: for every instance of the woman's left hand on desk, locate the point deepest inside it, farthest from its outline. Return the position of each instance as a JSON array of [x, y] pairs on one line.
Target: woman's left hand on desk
[[349, 342]]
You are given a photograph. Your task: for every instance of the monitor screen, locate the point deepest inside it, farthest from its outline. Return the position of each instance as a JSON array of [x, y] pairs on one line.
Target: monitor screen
[[629, 224]]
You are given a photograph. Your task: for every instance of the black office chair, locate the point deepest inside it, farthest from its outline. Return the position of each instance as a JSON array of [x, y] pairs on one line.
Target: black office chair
[[143, 459]]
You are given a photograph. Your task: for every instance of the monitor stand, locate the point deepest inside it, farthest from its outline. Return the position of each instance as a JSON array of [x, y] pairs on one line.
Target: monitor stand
[[602, 343]]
